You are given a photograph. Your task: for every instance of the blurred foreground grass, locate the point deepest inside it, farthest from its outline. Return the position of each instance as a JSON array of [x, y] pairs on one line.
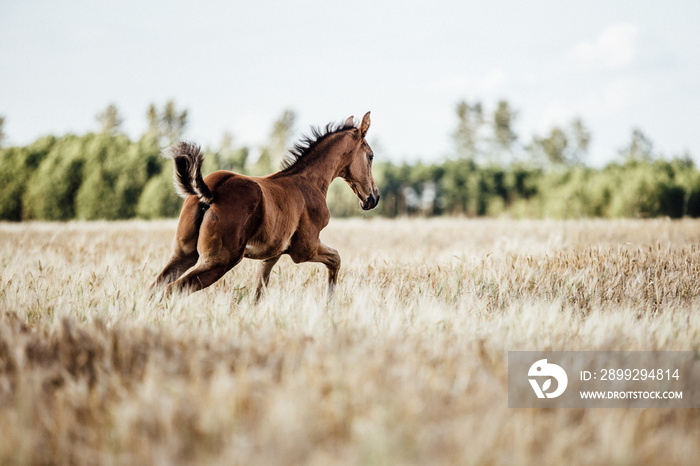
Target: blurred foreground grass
[[407, 364]]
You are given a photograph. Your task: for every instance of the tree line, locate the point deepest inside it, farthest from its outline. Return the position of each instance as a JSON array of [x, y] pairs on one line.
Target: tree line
[[106, 175]]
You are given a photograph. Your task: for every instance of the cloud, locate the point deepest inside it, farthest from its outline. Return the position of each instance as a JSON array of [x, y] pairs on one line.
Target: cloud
[[615, 48], [618, 96]]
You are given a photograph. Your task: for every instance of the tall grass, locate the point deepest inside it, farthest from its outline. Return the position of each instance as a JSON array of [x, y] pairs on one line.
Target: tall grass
[[406, 365]]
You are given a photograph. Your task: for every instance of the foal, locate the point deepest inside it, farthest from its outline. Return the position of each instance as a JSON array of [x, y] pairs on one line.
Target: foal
[[228, 216]]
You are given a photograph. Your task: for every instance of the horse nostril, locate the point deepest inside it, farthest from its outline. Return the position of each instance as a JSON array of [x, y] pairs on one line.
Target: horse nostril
[[372, 200]]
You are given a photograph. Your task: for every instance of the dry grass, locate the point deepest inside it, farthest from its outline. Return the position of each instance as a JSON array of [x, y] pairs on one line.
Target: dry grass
[[407, 365]]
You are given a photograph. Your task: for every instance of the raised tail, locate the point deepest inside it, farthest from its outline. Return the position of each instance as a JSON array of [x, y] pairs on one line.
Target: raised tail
[[187, 176]]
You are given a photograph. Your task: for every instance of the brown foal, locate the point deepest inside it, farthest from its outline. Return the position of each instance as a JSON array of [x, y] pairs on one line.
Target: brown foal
[[227, 216]]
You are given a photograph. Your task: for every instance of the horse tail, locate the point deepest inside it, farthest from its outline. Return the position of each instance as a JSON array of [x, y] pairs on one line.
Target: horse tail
[[187, 176]]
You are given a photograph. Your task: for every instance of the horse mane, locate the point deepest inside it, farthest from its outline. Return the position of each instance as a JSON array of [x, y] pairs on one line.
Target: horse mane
[[308, 143]]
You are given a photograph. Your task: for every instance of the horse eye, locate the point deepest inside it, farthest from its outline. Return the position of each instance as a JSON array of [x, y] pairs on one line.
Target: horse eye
[[371, 157]]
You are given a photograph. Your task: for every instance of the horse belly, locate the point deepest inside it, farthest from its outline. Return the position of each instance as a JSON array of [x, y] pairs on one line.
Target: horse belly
[[255, 250]]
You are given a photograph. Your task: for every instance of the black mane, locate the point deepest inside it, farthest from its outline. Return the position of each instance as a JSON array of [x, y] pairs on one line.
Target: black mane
[[309, 142]]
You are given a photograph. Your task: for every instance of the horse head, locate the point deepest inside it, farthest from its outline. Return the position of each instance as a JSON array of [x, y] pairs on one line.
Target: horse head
[[357, 172]]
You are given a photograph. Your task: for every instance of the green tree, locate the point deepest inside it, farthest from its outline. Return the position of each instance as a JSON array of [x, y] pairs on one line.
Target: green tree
[[390, 184], [50, 193], [563, 146], [149, 150], [13, 179], [154, 130], [581, 137], [640, 148], [504, 135], [466, 137], [18, 166], [159, 199], [458, 186], [551, 149], [114, 175], [168, 126], [109, 119], [173, 122], [279, 140], [228, 157]]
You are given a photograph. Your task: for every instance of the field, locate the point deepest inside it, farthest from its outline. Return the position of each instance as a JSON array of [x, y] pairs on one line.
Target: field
[[406, 365]]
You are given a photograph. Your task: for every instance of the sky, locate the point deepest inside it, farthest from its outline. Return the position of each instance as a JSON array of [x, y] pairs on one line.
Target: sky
[[236, 66]]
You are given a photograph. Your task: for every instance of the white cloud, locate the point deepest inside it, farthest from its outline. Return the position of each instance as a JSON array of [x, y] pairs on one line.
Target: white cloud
[[618, 96], [616, 47]]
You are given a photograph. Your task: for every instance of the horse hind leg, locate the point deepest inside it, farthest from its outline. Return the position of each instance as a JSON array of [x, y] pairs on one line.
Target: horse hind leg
[[184, 249], [199, 277], [213, 263], [179, 262], [221, 246]]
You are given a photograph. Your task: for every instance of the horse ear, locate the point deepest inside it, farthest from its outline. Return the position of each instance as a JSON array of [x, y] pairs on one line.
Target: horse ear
[[350, 121], [364, 126]]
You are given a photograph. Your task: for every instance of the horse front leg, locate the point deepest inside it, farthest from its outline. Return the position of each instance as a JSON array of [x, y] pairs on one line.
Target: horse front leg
[[331, 259], [264, 275]]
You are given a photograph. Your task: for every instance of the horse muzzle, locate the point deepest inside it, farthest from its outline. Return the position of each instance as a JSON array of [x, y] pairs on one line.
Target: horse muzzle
[[371, 201]]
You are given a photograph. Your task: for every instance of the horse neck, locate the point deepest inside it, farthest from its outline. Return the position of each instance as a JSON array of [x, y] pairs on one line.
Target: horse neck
[[327, 165]]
